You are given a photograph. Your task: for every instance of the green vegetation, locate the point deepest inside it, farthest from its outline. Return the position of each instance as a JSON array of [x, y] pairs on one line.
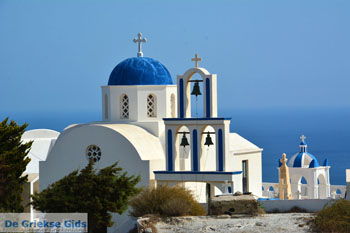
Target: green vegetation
[[13, 162], [166, 201], [334, 218], [97, 193]]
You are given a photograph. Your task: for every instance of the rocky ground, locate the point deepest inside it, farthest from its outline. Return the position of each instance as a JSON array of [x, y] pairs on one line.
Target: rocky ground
[[271, 223]]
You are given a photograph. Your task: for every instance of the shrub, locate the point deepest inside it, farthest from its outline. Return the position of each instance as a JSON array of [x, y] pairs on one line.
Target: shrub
[[261, 208], [13, 162], [92, 191], [334, 218], [166, 201]]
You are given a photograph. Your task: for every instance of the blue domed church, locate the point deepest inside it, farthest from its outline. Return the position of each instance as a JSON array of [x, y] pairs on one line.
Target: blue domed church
[[149, 125], [309, 179]]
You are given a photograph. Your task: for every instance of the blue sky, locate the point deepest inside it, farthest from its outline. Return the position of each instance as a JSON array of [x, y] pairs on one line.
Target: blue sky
[[55, 55]]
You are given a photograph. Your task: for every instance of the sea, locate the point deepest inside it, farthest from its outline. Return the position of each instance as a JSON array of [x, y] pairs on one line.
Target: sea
[[276, 130]]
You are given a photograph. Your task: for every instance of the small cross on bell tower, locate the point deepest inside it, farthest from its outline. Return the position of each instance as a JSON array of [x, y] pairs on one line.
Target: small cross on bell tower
[[139, 42], [196, 59]]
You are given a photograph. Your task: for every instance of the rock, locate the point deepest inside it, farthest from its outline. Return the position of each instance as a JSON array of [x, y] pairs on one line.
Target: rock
[[148, 230], [223, 216], [259, 224], [233, 205]]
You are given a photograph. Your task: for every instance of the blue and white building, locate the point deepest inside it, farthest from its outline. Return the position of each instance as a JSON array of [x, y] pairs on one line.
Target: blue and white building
[[148, 126], [309, 178]]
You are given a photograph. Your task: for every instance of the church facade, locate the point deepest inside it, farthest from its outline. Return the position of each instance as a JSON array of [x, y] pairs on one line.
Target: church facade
[[148, 125]]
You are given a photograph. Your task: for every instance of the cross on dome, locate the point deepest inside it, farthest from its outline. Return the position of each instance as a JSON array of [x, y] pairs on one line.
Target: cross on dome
[[196, 59], [302, 138], [139, 42]]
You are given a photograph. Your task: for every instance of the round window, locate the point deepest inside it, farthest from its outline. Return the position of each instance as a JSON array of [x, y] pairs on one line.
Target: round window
[[93, 152]]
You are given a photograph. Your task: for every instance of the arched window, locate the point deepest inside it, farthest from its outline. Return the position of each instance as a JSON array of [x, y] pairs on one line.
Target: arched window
[[151, 106], [172, 105], [124, 107], [106, 107]]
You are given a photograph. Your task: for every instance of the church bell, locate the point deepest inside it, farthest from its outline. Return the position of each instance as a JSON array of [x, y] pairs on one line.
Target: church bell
[[184, 141], [196, 90], [208, 141]]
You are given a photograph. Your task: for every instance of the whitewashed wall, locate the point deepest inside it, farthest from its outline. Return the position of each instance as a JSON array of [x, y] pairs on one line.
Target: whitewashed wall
[[137, 101], [311, 205], [269, 192]]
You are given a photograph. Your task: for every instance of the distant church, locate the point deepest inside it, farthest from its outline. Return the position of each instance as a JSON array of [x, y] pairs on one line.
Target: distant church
[[307, 177], [147, 125]]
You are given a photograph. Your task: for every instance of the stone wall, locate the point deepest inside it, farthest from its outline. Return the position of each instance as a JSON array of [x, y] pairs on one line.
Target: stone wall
[[244, 204]]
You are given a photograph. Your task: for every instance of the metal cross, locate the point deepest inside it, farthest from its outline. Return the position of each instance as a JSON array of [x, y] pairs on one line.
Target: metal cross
[[139, 42], [302, 138], [196, 59]]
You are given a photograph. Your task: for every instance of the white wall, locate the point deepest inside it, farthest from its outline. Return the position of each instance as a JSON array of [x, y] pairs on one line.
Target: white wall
[[137, 101], [254, 170], [347, 184], [68, 154], [311, 175], [274, 193], [311, 205], [43, 141]]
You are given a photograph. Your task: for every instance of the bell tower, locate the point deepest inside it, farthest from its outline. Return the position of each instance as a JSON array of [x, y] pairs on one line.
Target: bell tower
[[209, 92], [195, 135]]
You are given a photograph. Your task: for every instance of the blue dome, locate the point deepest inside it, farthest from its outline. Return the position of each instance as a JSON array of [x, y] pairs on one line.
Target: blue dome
[[140, 71], [314, 163], [326, 163], [302, 159]]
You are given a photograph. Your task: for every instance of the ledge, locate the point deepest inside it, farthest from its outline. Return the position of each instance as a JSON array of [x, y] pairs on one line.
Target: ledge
[[198, 172], [198, 119], [198, 176]]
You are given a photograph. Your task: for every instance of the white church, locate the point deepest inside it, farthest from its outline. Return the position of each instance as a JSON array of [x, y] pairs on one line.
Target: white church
[[148, 126], [309, 179]]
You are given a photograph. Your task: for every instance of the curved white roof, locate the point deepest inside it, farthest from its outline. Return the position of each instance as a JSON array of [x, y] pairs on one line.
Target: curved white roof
[[40, 133], [146, 144], [43, 141]]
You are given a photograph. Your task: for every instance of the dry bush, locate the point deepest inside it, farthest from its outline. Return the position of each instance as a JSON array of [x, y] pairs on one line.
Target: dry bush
[[166, 201], [334, 218]]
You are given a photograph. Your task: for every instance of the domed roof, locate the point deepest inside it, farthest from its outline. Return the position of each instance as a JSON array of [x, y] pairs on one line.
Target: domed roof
[[326, 163], [140, 71], [303, 158], [314, 163]]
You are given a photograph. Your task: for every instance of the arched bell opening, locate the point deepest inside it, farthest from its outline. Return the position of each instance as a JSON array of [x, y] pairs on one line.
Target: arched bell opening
[[302, 187], [208, 149], [194, 88], [195, 97], [183, 149]]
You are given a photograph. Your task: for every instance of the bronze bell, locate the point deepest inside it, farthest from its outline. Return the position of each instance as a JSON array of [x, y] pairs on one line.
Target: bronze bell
[[184, 141], [196, 90], [208, 141]]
